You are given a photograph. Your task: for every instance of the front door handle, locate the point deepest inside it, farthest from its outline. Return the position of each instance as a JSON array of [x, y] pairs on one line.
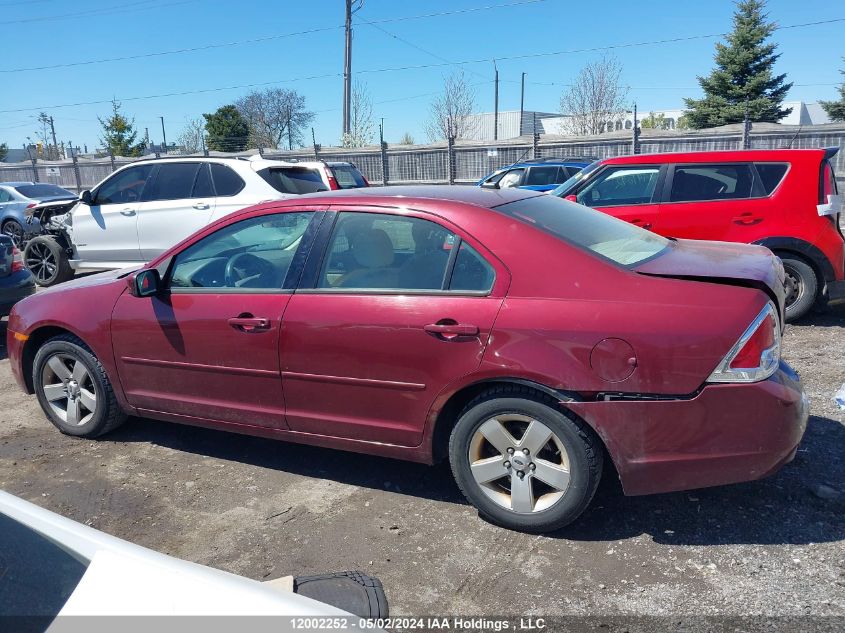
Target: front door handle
[[201, 205], [128, 212], [249, 323], [451, 331]]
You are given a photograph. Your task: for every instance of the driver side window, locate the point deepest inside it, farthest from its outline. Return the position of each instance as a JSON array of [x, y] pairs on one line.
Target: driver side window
[[124, 187], [620, 186], [253, 255]]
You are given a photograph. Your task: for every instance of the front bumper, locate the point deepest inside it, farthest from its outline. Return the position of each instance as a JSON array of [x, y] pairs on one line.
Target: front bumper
[[726, 434], [13, 288]]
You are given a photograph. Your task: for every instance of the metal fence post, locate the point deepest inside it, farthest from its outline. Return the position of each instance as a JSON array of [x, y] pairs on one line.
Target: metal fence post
[[450, 157], [535, 140], [385, 165], [111, 158]]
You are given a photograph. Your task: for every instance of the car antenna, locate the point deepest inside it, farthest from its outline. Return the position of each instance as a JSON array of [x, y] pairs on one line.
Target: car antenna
[[794, 136]]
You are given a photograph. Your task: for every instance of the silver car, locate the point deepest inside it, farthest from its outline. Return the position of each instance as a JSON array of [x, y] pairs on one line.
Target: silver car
[[17, 197]]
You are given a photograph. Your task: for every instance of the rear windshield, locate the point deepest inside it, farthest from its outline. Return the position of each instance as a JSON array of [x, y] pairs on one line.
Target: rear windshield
[[348, 177], [594, 231], [39, 191], [297, 180], [37, 576]]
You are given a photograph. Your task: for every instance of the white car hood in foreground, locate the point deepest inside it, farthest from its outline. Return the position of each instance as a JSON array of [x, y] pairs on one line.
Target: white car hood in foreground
[[126, 579]]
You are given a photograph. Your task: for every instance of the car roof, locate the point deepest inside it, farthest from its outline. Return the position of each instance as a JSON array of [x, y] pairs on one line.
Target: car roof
[[407, 194], [17, 184], [719, 155]]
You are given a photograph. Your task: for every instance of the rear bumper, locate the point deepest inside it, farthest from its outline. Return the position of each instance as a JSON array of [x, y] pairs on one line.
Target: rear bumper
[[13, 288], [726, 434]]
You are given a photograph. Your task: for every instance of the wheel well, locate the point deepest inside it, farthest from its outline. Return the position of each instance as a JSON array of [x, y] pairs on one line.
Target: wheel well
[[30, 349], [448, 415]]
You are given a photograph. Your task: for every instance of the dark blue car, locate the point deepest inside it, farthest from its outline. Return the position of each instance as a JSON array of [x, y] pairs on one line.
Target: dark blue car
[[16, 282], [539, 174]]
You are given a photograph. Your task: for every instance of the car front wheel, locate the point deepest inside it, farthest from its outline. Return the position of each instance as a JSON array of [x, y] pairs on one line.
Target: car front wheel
[[73, 389], [523, 463], [13, 229]]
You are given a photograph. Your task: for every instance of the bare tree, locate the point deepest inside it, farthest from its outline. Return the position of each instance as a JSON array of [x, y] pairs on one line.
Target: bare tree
[[276, 117], [595, 102], [361, 125], [192, 136], [44, 135], [451, 111]]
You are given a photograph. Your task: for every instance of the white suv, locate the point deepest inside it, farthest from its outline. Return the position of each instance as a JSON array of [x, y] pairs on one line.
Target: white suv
[[143, 209]]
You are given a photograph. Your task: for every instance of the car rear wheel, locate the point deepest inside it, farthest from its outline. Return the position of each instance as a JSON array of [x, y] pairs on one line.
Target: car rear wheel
[[522, 462], [47, 261], [73, 389], [801, 287], [13, 229]]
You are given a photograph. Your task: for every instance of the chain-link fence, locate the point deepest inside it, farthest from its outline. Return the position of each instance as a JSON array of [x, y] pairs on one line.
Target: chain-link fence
[[468, 161]]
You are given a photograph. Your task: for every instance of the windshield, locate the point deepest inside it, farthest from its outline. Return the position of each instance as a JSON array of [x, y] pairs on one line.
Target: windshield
[[37, 576], [562, 190], [43, 191], [597, 232]]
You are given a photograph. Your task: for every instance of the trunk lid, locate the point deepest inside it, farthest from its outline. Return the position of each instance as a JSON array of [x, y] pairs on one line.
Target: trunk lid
[[722, 262]]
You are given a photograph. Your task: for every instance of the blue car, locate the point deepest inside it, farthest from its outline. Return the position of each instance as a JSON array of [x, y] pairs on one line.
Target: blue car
[[17, 197], [539, 174]]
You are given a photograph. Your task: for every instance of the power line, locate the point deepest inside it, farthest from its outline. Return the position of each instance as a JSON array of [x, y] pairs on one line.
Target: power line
[[267, 38], [125, 8], [404, 68]]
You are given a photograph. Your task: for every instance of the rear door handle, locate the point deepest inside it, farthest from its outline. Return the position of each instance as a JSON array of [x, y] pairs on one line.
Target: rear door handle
[[128, 212], [201, 205], [747, 219], [250, 324], [450, 331]]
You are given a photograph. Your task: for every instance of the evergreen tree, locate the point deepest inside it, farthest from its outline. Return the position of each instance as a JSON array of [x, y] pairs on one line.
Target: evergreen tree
[[4, 151], [743, 77], [836, 109], [228, 130], [119, 134]]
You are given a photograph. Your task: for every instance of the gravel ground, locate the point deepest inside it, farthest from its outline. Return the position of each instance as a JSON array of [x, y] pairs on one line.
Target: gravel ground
[[264, 509]]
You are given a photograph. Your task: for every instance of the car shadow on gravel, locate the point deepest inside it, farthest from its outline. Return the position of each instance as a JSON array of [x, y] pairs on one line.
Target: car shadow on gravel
[[4, 354], [788, 508], [832, 316], [803, 503]]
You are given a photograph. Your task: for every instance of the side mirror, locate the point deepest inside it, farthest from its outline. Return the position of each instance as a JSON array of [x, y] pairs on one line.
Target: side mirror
[[571, 197], [85, 196], [144, 283]]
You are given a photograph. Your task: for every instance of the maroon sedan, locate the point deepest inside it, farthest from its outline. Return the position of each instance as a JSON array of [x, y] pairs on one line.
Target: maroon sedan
[[529, 340]]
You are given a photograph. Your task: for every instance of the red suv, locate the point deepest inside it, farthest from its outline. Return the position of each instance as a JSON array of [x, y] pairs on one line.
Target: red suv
[[784, 199], [523, 337]]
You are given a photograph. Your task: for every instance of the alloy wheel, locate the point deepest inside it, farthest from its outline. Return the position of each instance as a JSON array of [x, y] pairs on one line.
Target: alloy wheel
[[519, 463], [69, 389], [13, 230], [41, 262]]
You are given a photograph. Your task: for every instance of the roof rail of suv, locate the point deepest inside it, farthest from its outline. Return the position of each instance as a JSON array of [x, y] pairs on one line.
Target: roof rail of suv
[[560, 159], [183, 157]]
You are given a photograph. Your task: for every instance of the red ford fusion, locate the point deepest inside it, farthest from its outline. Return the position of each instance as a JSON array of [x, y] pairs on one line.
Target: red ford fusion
[[531, 341]]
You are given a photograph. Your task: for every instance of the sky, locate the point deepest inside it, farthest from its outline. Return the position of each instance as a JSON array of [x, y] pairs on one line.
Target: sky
[[402, 60]]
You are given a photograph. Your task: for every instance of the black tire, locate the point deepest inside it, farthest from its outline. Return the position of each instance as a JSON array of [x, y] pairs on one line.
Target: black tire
[[107, 415], [47, 260], [802, 287], [13, 229], [583, 449]]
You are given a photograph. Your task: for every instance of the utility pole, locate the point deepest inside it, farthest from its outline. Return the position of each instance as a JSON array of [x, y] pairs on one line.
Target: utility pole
[[352, 7], [53, 130], [635, 143], [163, 135], [521, 103], [496, 104]]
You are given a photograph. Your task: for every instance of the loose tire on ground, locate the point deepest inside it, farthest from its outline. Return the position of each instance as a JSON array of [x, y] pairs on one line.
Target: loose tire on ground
[[47, 260], [552, 498], [802, 287], [73, 389]]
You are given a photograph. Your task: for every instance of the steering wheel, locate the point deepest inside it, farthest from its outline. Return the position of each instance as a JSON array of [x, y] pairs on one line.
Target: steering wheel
[[243, 267]]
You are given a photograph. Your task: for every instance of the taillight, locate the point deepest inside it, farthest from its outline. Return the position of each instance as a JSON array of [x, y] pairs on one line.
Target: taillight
[[17, 260], [332, 180], [756, 354]]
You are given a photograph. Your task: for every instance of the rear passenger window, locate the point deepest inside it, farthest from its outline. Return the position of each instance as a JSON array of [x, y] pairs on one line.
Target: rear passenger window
[[202, 185], [711, 182], [542, 176], [226, 181], [770, 175], [471, 271], [173, 181]]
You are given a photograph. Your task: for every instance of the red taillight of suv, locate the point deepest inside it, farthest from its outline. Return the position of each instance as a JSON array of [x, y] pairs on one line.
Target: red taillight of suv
[[332, 180], [17, 260], [756, 354]]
